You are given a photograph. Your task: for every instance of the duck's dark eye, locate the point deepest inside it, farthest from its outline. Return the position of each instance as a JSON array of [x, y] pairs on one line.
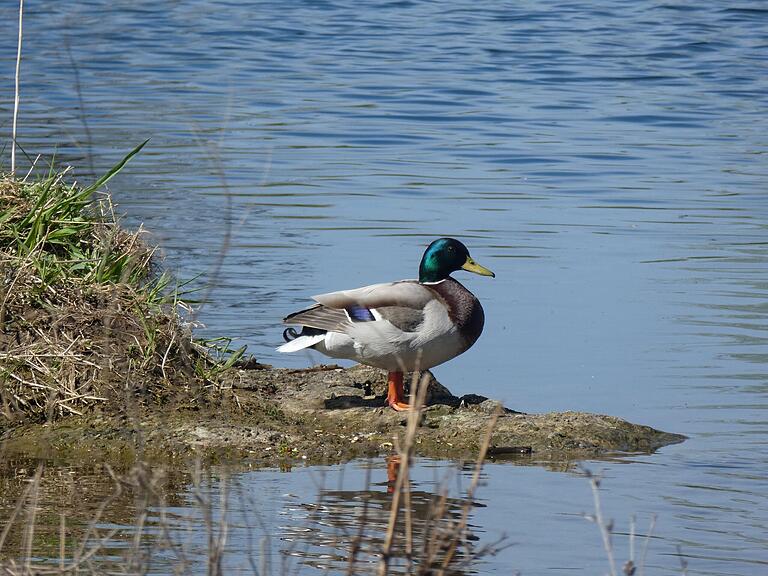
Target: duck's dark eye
[[450, 248]]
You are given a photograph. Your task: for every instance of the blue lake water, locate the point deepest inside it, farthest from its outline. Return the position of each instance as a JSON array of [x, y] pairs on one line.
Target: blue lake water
[[606, 160]]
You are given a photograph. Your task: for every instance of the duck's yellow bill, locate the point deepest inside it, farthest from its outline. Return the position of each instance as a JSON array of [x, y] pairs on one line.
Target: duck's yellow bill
[[472, 266]]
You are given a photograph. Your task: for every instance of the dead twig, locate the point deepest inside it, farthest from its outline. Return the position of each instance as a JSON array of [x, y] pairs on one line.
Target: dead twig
[[17, 91]]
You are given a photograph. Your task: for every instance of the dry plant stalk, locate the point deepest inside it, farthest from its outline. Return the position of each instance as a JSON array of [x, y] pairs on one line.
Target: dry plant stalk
[[217, 532], [418, 396], [439, 545], [461, 526], [355, 545], [605, 526], [17, 91], [631, 567]]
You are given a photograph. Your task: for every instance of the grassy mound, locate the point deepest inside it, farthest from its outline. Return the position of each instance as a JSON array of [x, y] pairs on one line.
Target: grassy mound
[[85, 318]]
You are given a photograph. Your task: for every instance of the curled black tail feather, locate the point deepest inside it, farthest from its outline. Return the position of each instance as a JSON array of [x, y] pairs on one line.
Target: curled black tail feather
[[291, 334]]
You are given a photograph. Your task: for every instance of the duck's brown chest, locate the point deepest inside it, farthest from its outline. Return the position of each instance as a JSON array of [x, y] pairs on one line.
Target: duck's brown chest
[[464, 309]]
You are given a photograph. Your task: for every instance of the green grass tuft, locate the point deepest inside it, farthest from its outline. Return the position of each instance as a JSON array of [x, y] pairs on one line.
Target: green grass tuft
[[86, 317]]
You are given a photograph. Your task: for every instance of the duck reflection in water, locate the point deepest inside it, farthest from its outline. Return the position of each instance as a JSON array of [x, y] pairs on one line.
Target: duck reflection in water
[[346, 530]]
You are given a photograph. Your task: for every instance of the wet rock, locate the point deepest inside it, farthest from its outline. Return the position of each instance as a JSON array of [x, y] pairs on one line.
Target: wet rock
[[332, 414], [354, 400]]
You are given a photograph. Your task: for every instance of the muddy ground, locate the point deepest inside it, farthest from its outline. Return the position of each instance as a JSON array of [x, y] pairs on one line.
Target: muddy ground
[[324, 414]]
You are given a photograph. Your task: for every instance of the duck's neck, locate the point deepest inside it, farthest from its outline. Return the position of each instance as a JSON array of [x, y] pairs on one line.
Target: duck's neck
[[429, 273], [431, 279], [431, 268]]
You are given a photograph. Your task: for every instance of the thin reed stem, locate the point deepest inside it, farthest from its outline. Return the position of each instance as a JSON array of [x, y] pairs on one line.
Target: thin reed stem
[[16, 96], [606, 527], [460, 529], [29, 533], [19, 505], [643, 554], [417, 399], [62, 541]]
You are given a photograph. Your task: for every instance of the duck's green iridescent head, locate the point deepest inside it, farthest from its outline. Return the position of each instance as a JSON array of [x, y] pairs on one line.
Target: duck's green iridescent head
[[447, 255]]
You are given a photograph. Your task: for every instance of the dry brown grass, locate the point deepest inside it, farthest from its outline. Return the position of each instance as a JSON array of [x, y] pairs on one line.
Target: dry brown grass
[[85, 316]]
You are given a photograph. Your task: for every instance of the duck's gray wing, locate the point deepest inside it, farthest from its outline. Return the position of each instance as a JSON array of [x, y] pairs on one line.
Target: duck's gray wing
[[402, 317], [404, 294], [322, 317], [401, 303]]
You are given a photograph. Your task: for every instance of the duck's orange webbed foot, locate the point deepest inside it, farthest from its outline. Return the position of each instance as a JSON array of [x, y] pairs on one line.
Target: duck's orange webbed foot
[[395, 392]]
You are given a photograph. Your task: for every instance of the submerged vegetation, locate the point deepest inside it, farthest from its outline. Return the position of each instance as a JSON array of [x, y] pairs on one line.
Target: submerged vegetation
[[86, 318]]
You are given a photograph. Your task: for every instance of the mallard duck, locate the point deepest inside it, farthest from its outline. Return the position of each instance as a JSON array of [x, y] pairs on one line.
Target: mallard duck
[[399, 326]]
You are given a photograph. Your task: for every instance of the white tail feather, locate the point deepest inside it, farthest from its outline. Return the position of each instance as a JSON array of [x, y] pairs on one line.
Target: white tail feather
[[301, 342]]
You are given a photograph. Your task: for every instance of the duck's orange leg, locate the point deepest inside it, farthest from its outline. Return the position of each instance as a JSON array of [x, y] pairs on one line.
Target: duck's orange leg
[[393, 468], [395, 392]]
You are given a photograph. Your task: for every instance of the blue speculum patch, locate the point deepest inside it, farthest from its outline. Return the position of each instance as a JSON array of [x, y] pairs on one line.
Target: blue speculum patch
[[360, 314]]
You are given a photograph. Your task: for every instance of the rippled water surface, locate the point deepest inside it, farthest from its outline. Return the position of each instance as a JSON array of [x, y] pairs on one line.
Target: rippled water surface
[[606, 160]]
